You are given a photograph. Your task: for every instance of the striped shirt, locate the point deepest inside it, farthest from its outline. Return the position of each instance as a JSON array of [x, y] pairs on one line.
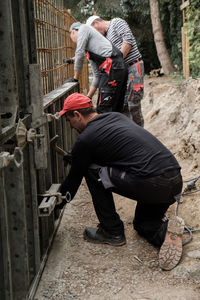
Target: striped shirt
[[119, 32]]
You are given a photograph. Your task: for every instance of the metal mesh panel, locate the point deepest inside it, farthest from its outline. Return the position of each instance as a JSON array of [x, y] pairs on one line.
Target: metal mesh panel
[[52, 23]]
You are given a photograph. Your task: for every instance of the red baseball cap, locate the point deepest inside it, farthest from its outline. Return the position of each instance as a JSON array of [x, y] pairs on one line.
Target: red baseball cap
[[75, 101]]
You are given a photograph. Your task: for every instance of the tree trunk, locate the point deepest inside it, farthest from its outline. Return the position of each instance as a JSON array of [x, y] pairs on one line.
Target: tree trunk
[[162, 52]]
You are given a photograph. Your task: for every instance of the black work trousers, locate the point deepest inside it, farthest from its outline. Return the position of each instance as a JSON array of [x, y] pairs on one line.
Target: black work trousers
[[153, 195]]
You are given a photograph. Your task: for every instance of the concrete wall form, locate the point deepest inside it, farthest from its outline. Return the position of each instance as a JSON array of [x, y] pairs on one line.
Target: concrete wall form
[[31, 169]]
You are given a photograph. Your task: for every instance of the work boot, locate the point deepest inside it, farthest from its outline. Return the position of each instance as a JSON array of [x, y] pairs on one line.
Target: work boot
[[100, 236], [171, 250]]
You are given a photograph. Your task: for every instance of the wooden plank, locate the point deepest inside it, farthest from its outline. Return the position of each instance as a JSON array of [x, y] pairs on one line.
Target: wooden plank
[[6, 291], [54, 95], [184, 4], [31, 212], [15, 195], [185, 54], [20, 31], [34, 205], [187, 65], [183, 49], [8, 80]]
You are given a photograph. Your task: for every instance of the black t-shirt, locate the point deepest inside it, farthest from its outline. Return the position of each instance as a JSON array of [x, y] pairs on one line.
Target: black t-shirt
[[111, 139]]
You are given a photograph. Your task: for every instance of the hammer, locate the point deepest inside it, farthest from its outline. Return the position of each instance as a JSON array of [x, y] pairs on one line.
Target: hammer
[[59, 150]]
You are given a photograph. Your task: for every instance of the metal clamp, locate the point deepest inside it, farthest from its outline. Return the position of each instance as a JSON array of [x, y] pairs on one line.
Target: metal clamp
[[50, 199], [32, 135], [45, 118], [25, 136], [6, 158], [57, 115]]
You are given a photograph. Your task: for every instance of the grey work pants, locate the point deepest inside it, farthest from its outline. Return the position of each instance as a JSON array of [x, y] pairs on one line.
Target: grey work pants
[[134, 93]]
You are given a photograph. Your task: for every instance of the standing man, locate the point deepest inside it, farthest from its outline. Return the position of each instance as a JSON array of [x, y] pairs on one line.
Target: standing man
[[109, 69], [116, 155], [119, 33]]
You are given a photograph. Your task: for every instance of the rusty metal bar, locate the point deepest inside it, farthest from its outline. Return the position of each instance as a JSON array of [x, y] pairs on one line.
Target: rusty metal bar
[[52, 24]]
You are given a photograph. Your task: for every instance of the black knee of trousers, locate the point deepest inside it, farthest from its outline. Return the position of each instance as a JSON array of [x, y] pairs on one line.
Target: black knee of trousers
[[153, 232]]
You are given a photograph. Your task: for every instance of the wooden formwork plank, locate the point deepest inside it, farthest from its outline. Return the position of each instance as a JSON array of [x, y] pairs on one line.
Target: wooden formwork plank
[[40, 146], [6, 292], [46, 223], [20, 32], [49, 166], [30, 188], [59, 132], [43, 222], [8, 86], [15, 195]]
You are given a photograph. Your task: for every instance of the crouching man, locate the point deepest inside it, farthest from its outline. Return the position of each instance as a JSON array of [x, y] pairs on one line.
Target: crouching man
[[116, 155]]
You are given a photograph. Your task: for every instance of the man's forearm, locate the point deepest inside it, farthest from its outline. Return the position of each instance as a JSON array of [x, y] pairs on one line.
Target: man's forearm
[[77, 74], [71, 184], [91, 92], [125, 49]]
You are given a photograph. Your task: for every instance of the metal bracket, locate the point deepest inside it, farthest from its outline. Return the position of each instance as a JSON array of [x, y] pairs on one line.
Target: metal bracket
[[6, 158], [25, 136], [51, 198], [32, 135], [45, 118]]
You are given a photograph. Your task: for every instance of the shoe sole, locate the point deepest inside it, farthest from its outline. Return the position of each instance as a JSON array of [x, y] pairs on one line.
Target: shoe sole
[[171, 250], [88, 239]]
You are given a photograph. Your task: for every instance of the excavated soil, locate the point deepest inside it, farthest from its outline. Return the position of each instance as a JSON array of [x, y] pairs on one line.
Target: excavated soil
[[80, 270]]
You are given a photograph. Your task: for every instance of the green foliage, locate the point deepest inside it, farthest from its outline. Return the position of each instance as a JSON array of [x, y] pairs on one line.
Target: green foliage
[[137, 15], [135, 12], [193, 34], [171, 18]]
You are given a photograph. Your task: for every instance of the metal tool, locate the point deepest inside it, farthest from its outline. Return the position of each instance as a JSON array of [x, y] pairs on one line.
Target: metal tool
[[53, 143]]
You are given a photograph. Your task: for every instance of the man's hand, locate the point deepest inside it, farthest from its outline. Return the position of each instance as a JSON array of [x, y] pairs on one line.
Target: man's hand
[[67, 158], [71, 80], [68, 60], [61, 205]]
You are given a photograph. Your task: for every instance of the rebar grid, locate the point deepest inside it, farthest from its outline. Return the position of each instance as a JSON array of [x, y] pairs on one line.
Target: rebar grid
[[52, 23]]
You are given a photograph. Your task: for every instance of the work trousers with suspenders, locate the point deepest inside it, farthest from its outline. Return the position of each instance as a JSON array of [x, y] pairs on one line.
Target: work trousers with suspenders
[[154, 195], [134, 92], [112, 83]]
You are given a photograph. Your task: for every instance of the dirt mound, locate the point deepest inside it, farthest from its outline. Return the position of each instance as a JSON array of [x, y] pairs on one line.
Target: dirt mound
[[172, 113]]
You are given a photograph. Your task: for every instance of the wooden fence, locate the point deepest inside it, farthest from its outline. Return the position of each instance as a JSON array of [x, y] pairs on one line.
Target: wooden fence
[[30, 168]]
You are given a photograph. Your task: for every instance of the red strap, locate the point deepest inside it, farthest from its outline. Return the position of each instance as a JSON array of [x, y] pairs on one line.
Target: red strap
[[99, 99], [106, 65], [138, 68], [131, 78], [113, 83], [137, 87], [87, 54]]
